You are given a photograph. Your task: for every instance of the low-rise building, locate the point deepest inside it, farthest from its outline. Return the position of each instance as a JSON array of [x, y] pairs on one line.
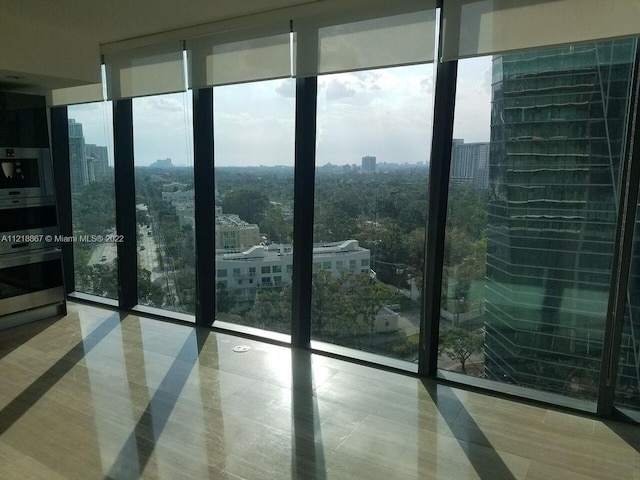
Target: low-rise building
[[233, 233], [386, 321], [246, 272], [180, 196]]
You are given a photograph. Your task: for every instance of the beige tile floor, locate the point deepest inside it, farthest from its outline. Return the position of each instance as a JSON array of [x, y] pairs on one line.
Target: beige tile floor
[[101, 395]]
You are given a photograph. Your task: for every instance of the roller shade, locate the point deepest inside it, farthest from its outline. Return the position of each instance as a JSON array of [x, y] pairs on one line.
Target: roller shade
[[150, 70], [75, 95], [366, 39], [240, 56], [484, 27]]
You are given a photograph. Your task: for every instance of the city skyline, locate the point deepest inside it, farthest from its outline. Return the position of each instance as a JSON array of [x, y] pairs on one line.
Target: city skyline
[[162, 124]]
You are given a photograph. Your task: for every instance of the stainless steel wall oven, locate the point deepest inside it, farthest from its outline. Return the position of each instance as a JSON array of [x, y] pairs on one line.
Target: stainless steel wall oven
[[31, 283]]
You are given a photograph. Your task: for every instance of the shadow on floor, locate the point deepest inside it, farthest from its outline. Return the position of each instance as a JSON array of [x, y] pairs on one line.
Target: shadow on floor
[[484, 459], [36, 390], [307, 451], [155, 416]]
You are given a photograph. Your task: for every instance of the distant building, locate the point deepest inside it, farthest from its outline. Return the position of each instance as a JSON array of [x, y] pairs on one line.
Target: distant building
[[386, 321], [77, 157], [181, 196], [470, 163], [166, 163], [92, 167], [368, 164], [245, 273], [233, 233], [183, 201], [100, 156], [186, 214], [173, 187]]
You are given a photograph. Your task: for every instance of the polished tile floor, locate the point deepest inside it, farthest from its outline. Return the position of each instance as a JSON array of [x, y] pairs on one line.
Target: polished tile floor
[[102, 395]]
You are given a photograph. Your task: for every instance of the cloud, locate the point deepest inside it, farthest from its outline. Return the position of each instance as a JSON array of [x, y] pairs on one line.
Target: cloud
[[175, 103], [389, 116], [286, 89], [336, 90], [385, 112], [426, 84]]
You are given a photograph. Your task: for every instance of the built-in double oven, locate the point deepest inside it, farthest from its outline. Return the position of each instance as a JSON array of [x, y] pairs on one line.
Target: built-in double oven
[[30, 260]]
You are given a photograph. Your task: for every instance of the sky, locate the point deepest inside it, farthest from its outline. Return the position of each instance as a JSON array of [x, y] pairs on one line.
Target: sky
[[386, 113]]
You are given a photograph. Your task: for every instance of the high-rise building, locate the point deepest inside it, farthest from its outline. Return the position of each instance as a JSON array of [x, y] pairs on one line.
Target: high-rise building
[[77, 157], [558, 124], [470, 163], [368, 164], [99, 153]]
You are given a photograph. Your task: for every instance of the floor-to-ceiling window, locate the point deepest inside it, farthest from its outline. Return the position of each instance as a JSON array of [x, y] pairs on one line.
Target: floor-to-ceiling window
[[628, 385], [254, 157], [462, 307], [531, 224], [93, 198], [163, 158], [374, 108], [539, 137], [370, 208]]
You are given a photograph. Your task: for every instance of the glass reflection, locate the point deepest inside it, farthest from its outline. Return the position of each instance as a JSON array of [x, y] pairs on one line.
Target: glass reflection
[[628, 385], [528, 253]]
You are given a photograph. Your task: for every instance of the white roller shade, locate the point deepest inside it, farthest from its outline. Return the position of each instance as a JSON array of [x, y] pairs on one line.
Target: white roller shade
[[145, 71], [484, 27], [241, 56], [75, 95], [346, 42]]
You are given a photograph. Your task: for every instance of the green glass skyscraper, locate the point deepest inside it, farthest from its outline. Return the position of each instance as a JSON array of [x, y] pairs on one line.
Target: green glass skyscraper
[[558, 129]]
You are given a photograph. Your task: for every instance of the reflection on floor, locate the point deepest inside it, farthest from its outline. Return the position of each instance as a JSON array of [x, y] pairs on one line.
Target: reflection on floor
[[102, 395]]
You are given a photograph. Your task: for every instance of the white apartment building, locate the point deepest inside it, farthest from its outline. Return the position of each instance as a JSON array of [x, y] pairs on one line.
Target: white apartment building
[[181, 196], [245, 273]]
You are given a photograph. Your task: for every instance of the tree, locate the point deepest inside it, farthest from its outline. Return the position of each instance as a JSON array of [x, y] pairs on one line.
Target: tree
[[225, 300], [467, 210], [249, 204], [275, 226], [330, 314], [149, 293], [271, 311], [94, 209], [459, 344]]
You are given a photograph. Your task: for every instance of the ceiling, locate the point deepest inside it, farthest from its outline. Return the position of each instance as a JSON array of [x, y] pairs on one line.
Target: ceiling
[[108, 21], [57, 44]]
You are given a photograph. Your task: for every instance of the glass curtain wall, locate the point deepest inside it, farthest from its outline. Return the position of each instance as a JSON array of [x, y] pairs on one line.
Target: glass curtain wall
[[628, 387], [93, 198], [373, 130], [163, 160], [254, 133], [529, 250]]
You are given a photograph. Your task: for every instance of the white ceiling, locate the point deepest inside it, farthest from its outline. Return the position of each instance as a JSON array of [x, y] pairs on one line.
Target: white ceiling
[[49, 44], [106, 21]]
